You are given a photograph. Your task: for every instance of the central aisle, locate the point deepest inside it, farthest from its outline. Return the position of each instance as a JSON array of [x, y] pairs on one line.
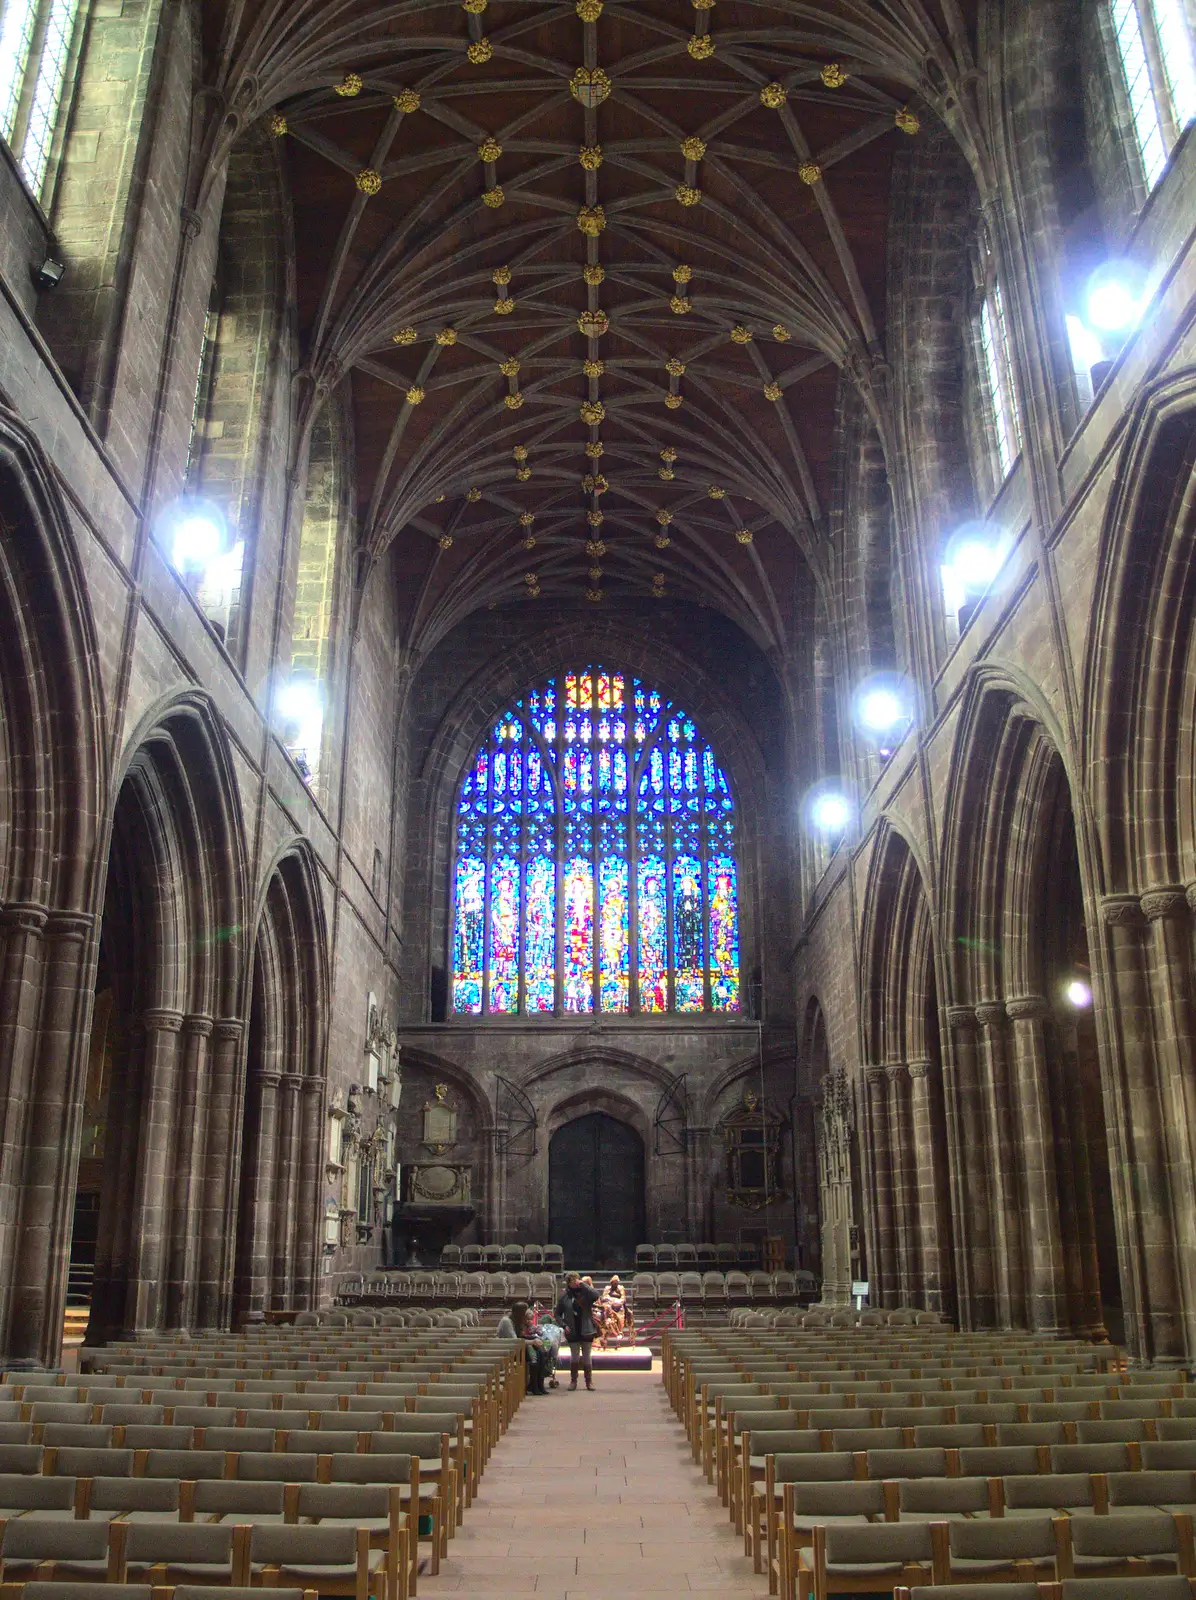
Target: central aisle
[[595, 1497]]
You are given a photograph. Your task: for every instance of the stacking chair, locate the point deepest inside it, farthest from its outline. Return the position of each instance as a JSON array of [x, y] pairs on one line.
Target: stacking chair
[[941, 1499], [807, 1506], [714, 1287], [450, 1256], [232, 1501], [554, 1258], [533, 1257], [402, 1472], [849, 1558], [666, 1256], [645, 1256], [132, 1499], [492, 1257], [997, 1549], [1163, 1491], [1131, 1544], [49, 1497], [179, 1552], [378, 1508], [687, 1255], [471, 1256], [725, 1255], [512, 1257], [38, 1546], [332, 1558], [707, 1255]]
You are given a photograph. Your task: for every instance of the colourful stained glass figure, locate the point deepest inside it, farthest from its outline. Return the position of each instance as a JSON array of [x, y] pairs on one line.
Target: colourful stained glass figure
[[467, 939], [689, 977], [540, 960], [595, 840], [504, 935], [724, 934], [579, 936], [613, 935], [653, 935]]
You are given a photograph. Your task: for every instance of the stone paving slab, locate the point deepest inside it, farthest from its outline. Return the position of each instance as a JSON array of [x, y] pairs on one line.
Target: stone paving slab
[[596, 1497]]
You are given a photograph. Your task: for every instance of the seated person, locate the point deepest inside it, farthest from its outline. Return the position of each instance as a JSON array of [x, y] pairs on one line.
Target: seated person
[[614, 1309], [517, 1324]]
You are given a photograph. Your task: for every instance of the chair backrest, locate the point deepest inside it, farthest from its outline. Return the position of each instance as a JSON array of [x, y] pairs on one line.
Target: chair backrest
[[344, 1500], [192, 1464], [1129, 1533], [1048, 1490], [849, 1544], [134, 1494], [950, 1496], [1001, 1538], [276, 1466], [815, 1466], [50, 1538], [1152, 1488], [32, 1492], [285, 1544], [230, 1497], [1158, 1588]]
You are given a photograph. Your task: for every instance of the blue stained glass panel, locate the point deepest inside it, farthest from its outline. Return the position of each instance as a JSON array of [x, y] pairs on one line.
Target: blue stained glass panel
[[556, 775], [613, 941], [504, 935], [653, 912], [724, 934], [579, 935], [688, 935], [469, 925], [540, 969]]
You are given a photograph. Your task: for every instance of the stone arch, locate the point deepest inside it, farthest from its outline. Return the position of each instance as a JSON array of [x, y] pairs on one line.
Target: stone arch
[[904, 1118], [601, 1077], [482, 697], [52, 783], [284, 1093], [171, 977], [1029, 1095], [1139, 682]]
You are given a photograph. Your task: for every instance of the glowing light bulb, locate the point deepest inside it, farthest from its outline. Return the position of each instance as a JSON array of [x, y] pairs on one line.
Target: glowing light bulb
[[196, 543], [831, 813], [1078, 994]]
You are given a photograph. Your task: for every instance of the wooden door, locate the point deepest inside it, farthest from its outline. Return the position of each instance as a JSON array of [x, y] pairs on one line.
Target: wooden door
[[596, 1191]]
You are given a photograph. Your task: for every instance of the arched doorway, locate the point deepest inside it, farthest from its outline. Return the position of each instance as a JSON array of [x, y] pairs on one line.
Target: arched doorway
[[596, 1191]]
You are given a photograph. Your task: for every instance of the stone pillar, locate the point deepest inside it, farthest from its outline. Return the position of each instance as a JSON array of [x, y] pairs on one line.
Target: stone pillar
[[834, 1180], [971, 1186], [1047, 1296], [285, 1191], [1146, 1235], [927, 1175], [901, 1164], [220, 1177], [262, 1178], [1171, 978], [311, 1167], [51, 1153], [149, 1222], [883, 1268], [192, 1108], [1080, 1258], [1007, 1230], [21, 928]]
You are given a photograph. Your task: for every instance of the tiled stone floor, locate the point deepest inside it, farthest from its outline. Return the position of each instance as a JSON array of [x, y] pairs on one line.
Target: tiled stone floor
[[595, 1497]]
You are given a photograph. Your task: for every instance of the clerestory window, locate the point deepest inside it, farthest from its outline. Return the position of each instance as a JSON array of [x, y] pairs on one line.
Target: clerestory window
[[595, 864], [997, 364], [1154, 46], [36, 38]]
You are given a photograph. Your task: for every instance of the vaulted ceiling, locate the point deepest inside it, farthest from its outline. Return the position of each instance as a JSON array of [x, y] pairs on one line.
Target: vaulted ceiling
[[589, 273]]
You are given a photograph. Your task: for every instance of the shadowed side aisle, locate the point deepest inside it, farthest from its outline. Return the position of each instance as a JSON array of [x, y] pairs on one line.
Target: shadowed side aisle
[[595, 1497]]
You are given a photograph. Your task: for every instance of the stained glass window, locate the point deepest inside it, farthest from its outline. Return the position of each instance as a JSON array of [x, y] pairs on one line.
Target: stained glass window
[[595, 865]]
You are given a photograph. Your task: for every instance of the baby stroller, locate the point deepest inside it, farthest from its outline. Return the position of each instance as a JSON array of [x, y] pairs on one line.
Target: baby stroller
[[549, 1335]]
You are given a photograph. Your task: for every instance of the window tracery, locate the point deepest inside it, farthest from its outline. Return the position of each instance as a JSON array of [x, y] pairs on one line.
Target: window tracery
[[595, 865]]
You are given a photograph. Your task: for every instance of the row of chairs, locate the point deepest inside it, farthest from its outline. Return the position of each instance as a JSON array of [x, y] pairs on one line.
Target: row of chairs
[[858, 1557], [469, 1289], [726, 1256], [323, 1408], [712, 1288], [512, 1257], [837, 1317], [948, 1420]]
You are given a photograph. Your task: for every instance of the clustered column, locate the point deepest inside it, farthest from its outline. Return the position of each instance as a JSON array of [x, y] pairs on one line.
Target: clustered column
[[972, 1190], [883, 1267]]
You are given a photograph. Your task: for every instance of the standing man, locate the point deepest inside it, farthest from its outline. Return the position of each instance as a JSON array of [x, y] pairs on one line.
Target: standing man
[[575, 1313]]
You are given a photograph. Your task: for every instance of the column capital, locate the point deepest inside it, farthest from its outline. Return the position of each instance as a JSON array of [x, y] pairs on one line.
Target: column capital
[[961, 1017], [1121, 911], [268, 1080], [1027, 1008], [895, 1071], [161, 1020], [1168, 901], [198, 1025], [310, 1083], [228, 1027], [293, 1080], [69, 924], [919, 1069], [873, 1076], [990, 1012], [26, 916]]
